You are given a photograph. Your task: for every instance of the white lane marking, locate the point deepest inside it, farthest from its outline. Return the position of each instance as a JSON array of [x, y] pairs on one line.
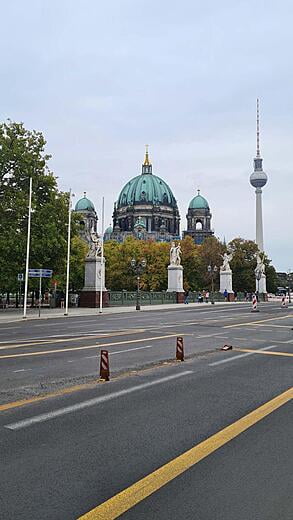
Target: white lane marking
[[234, 358], [212, 335], [118, 352], [22, 370], [130, 350], [91, 402]]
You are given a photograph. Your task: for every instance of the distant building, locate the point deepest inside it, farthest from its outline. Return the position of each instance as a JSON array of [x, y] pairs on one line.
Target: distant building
[[88, 216], [199, 219]]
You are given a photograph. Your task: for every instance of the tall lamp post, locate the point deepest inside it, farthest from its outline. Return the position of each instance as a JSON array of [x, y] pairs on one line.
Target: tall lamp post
[[212, 270], [138, 268], [289, 284], [68, 252]]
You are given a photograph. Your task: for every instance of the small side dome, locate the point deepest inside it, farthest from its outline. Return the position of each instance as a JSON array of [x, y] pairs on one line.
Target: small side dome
[[84, 204], [199, 202], [109, 230]]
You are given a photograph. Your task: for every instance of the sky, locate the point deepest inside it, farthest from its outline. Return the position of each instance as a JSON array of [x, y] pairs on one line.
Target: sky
[[102, 79]]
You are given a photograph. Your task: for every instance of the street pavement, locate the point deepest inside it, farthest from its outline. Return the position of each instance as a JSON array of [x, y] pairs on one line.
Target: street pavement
[[73, 453]]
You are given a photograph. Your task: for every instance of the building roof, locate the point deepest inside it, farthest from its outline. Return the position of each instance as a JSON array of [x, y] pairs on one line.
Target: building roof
[[84, 204], [146, 189], [199, 202]]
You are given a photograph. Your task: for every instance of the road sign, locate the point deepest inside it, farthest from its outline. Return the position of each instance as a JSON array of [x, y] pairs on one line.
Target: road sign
[[20, 277], [40, 273]]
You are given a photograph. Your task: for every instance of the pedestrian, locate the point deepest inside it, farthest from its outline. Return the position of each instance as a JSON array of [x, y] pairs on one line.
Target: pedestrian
[[200, 298], [207, 296], [226, 295], [186, 295], [235, 296]]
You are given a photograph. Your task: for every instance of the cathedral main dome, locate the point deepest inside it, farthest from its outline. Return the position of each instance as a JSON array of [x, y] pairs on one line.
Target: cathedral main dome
[[147, 189]]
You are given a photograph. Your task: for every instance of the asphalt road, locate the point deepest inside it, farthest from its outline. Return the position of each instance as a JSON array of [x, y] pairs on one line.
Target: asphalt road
[[63, 456]]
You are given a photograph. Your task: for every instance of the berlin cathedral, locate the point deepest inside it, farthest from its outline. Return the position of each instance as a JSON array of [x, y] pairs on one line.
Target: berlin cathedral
[[147, 209]]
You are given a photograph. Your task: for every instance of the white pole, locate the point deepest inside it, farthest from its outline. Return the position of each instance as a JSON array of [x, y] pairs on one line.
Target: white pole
[[102, 257], [68, 255], [27, 248]]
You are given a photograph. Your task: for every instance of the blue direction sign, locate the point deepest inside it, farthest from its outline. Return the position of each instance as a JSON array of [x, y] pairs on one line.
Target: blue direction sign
[[40, 273]]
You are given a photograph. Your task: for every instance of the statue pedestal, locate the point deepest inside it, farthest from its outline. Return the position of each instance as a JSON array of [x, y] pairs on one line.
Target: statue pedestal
[[93, 279], [226, 281], [175, 279], [261, 286]]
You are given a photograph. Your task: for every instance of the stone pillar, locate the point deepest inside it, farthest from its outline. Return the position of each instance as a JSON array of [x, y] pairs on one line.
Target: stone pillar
[[175, 279], [94, 278], [226, 281]]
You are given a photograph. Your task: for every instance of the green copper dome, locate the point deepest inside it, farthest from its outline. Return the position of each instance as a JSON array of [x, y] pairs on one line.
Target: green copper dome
[[84, 204], [199, 202], [146, 189]]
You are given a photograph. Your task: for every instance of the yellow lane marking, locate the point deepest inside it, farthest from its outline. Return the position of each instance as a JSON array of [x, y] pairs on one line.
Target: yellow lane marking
[[71, 389], [268, 353], [129, 497], [87, 347], [41, 342], [256, 322]]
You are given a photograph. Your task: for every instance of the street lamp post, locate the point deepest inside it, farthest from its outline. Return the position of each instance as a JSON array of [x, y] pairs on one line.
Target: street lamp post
[[138, 268], [212, 270], [68, 252], [289, 284]]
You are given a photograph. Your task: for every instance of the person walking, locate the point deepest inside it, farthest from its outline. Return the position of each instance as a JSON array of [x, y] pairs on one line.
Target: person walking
[[186, 295], [226, 295], [207, 296]]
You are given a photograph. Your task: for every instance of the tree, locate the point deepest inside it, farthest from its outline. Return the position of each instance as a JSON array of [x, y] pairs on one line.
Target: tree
[[22, 155]]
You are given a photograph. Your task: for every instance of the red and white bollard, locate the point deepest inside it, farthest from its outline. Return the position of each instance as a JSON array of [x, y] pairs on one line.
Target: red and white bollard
[[104, 366], [179, 349], [284, 303], [254, 304]]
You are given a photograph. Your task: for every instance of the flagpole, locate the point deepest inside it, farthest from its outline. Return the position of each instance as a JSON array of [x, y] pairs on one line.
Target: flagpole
[[102, 257], [27, 248], [68, 255]]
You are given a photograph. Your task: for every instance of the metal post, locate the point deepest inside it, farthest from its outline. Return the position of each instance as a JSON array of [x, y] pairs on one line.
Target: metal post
[[68, 255], [40, 293], [212, 302], [102, 258], [27, 248], [137, 295]]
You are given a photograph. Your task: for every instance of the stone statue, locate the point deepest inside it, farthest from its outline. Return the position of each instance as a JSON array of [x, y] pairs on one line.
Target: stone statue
[[226, 259], [260, 267], [95, 245], [175, 252]]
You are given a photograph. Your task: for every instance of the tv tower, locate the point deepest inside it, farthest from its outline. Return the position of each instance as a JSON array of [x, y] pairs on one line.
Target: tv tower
[[258, 180]]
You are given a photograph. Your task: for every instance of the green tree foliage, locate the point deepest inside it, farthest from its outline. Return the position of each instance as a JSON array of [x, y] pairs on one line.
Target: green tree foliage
[[119, 273], [22, 155]]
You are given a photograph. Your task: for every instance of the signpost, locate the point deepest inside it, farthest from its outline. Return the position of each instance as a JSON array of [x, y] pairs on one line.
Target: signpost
[[40, 273], [20, 278]]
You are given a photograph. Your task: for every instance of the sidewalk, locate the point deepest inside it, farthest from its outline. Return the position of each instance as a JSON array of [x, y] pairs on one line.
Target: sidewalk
[[16, 315]]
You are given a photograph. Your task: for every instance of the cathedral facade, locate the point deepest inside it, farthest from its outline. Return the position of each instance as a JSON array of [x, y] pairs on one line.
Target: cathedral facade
[[147, 209]]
